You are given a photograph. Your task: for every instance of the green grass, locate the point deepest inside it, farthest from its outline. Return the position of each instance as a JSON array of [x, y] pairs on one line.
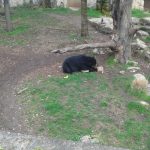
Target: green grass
[[125, 84], [86, 104], [147, 39], [133, 132], [111, 61], [18, 30], [140, 13], [94, 13], [138, 107]]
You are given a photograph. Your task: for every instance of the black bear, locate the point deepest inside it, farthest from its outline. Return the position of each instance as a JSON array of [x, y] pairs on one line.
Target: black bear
[[79, 63]]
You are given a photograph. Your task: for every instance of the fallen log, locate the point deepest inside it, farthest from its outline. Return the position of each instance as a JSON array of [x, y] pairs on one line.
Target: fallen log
[[111, 44]]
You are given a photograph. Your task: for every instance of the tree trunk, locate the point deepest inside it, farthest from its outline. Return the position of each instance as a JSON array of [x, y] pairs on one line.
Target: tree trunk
[[7, 15], [31, 3], [110, 44], [98, 4], [1, 3], [84, 19], [49, 3], [121, 13]]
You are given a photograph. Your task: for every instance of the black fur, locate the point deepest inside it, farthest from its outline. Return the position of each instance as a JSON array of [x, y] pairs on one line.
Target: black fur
[[79, 63]]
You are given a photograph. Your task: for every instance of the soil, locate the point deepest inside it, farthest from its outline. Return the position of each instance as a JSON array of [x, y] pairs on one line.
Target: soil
[[20, 63]]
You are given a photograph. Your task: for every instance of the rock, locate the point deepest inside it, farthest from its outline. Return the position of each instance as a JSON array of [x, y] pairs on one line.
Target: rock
[[89, 139], [101, 52], [135, 20], [100, 69], [86, 139], [138, 4], [95, 51], [144, 103], [148, 90], [122, 72], [147, 54], [133, 69], [103, 24], [133, 63], [142, 34], [146, 28], [94, 140], [139, 45], [139, 82], [74, 9], [145, 21]]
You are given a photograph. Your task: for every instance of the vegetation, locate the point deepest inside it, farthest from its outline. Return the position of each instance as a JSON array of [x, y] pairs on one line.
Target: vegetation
[[105, 107], [94, 13], [147, 39], [88, 104], [140, 13]]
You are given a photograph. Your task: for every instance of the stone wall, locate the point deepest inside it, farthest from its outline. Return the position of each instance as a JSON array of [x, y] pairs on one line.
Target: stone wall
[[138, 4]]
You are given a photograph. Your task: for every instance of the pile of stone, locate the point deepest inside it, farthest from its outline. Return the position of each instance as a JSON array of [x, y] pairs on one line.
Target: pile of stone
[[105, 25]]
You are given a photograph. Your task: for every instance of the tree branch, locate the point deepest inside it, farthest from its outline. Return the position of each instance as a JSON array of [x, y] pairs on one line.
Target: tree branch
[[110, 44]]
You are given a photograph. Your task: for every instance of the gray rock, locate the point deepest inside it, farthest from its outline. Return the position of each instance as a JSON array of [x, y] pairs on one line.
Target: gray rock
[[139, 45], [147, 54], [135, 21], [103, 24], [145, 21], [142, 34], [148, 90], [138, 4], [146, 28]]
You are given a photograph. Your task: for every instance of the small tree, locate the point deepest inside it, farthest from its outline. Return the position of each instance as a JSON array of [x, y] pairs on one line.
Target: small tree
[[84, 19], [7, 15]]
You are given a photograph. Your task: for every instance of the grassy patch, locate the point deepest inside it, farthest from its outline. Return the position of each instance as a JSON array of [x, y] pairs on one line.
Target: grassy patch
[[125, 84], [140, 13], [111, 61], [147, 39], [134, 132], [138, 107], [67, 102], [86, 104], [26, 13], [94, 13], [18, 30]]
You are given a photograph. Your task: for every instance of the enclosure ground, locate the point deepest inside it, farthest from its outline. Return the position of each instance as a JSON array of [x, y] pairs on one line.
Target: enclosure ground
[[25, 56]]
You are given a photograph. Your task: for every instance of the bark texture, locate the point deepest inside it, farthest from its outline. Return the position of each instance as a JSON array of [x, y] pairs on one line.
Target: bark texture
[[111, 44], [7, 15], [1, 3], [84, 19], [121, 13]]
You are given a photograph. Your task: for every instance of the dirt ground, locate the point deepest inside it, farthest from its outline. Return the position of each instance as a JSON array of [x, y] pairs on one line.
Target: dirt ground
[[19, 63]]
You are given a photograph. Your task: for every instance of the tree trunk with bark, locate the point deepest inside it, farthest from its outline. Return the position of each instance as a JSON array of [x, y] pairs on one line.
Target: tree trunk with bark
[[7, 15], [1, 3], [48, 3], [121, 13], [84, 19], [98, 5]]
